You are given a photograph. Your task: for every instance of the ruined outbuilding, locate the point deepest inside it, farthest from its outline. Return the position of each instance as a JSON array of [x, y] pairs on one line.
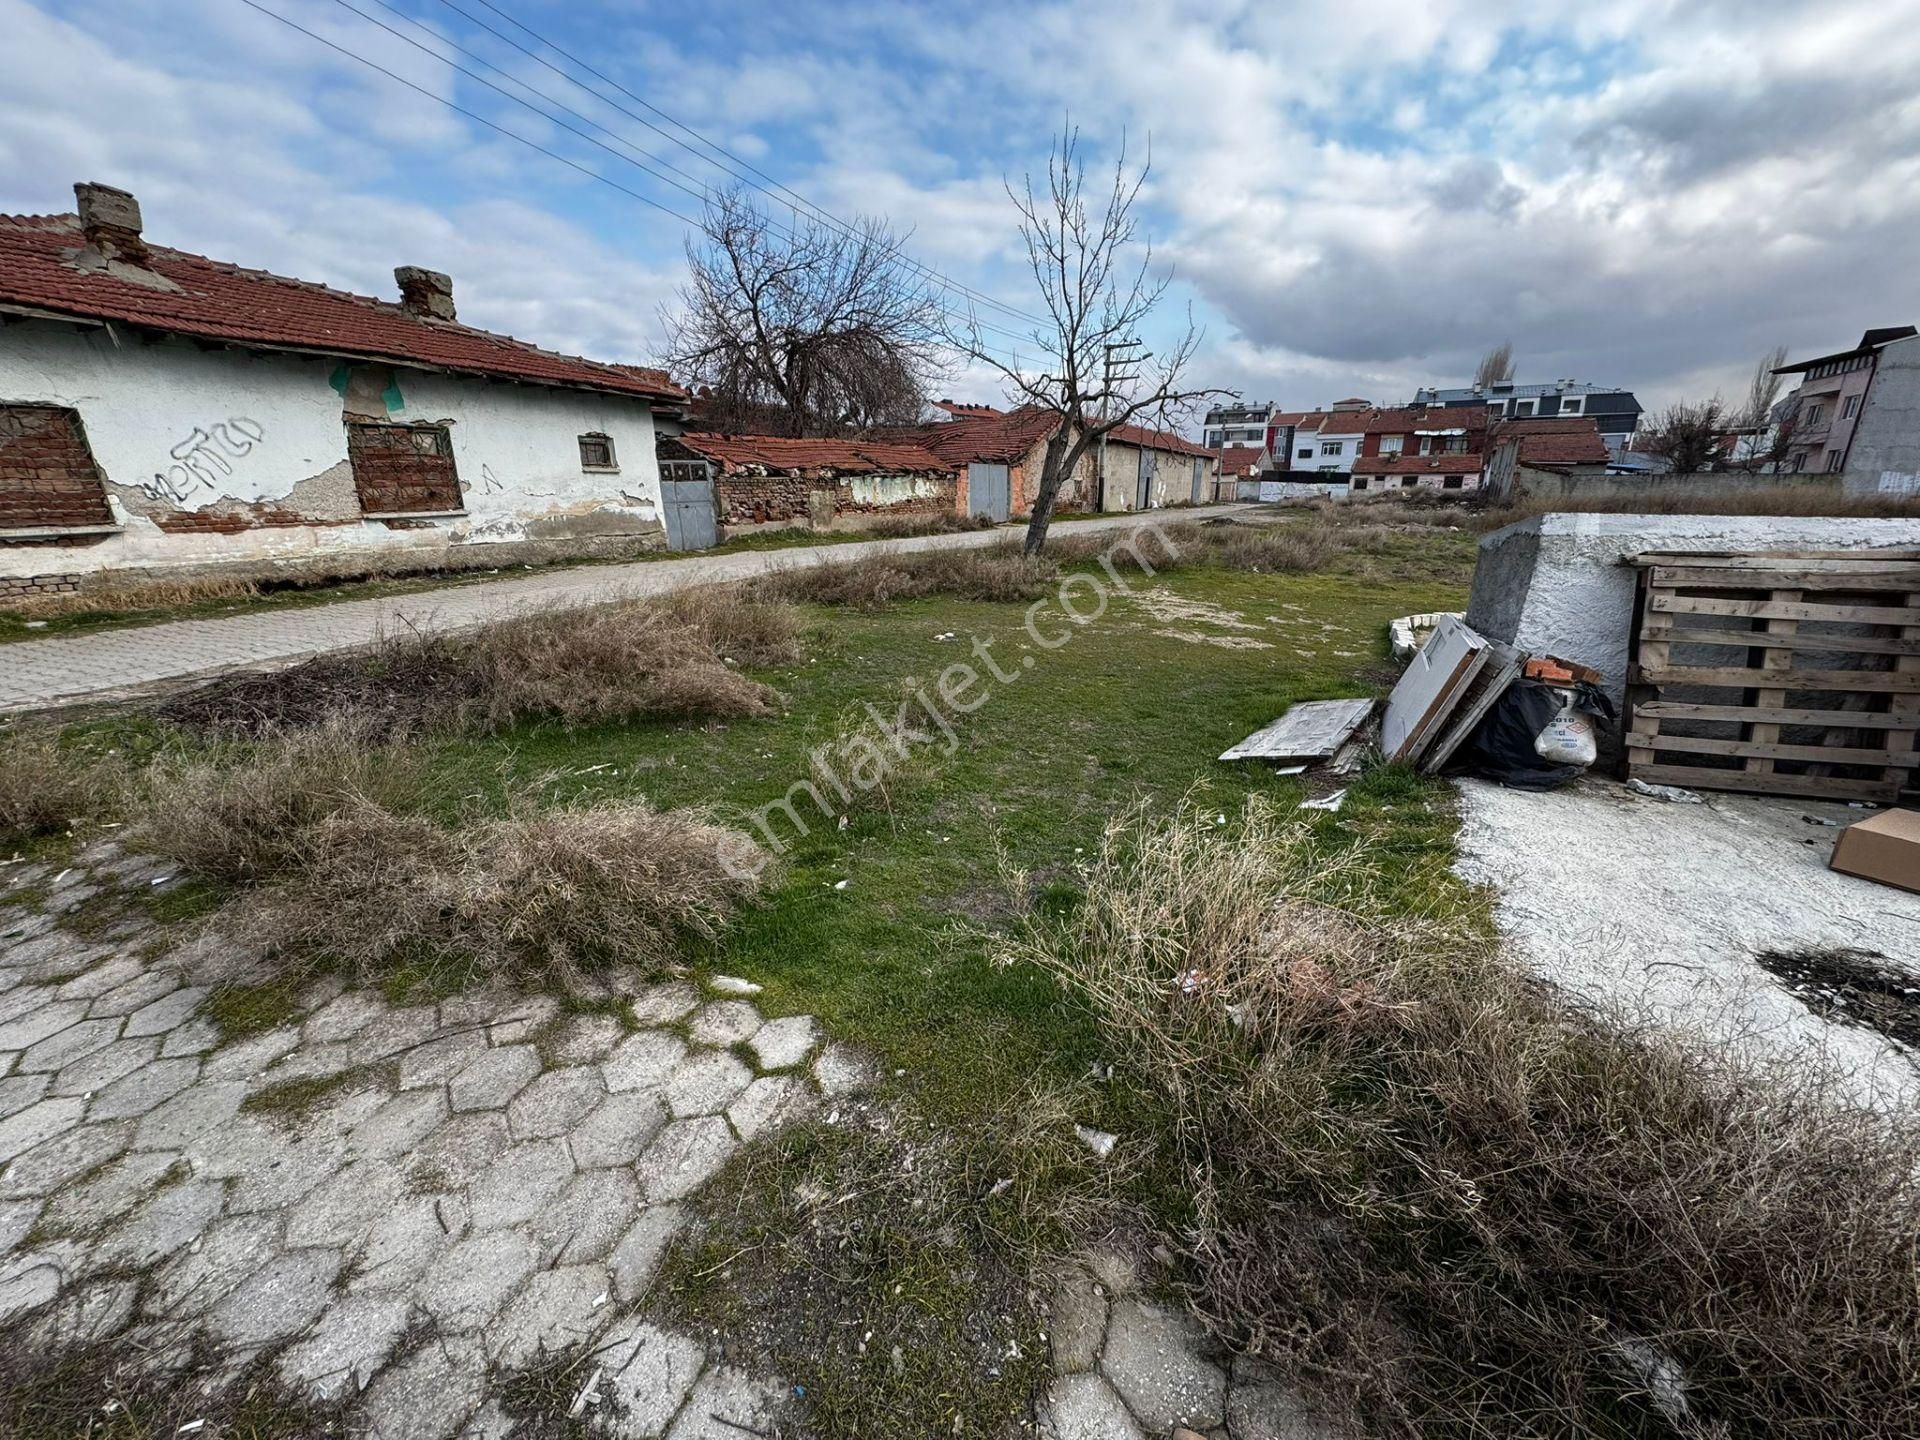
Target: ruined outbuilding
[[162, 411], [775, 481]]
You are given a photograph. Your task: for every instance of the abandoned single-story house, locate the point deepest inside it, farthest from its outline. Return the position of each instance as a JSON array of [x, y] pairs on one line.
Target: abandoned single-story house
[[1146, 469], [1382, 474], [1544, 457], [161, 411], [777, 481]]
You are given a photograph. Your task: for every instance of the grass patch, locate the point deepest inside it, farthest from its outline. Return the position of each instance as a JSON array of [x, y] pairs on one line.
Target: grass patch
[[242, 1011], [1455, 1206], [990, 572], [46, 787], [577, 667], [290, 1099]]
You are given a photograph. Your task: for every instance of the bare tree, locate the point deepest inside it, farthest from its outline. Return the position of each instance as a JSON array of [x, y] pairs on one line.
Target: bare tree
[[1496, 365], [1084, 366], [1687, 435], [1760, 440], [804, 328], [1764, 389]]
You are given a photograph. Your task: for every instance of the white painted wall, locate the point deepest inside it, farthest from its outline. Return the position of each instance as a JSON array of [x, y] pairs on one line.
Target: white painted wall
[[198, 427]]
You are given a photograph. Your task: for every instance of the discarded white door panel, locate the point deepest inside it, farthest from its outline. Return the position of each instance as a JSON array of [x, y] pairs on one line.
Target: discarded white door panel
[[1310, 730], [1503, 667], [1426, 693]]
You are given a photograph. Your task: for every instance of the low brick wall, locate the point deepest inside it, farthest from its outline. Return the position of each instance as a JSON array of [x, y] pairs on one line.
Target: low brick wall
[[28, 587], [787, 499]]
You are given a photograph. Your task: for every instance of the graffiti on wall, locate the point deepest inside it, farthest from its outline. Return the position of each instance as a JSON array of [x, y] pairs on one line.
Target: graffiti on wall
[[204, 458]]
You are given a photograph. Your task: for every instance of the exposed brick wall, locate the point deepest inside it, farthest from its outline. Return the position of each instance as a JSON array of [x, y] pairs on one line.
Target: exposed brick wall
[[47, 474], [403, 467], [768, 499], [22, 587]]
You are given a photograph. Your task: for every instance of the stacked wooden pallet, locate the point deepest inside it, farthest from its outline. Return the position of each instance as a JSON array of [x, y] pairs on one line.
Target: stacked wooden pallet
[[1783, 673]]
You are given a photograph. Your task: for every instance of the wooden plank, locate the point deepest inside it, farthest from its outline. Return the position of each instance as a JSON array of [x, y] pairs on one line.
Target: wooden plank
[[1671, 604], [1503, 667], [1901, 682], [1765, 732], [1799, 640], [1829, 754], [1774, 559], [1785, 715], [1310, 730], [1907, 707], [1900, 577], [1700, 777]]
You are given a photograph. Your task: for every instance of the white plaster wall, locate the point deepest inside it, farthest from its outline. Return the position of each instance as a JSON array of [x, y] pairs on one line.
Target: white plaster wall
[[1555, 583], [203, 426]]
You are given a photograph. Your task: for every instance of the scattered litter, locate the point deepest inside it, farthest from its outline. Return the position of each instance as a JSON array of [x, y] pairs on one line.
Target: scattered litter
[[947, 635], [1684, 797], [1289, 769], [1810, 819], [1410, 632], [163, 879], [602, 1298], [589, 1394], [592, 769], [839, 884], [1326, 802], [999, 1187], [732, 985], [1098, 1141], [190, 1427]]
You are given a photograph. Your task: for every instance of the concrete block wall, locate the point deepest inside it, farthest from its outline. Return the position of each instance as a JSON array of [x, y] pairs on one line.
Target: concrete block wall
[[1884, 458], [1557, 583]]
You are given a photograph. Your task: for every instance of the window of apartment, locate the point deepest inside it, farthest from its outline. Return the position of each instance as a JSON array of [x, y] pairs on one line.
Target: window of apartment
[[1799, 461], [1570, 404], [1833, 461], [1849, 407], [1813, 414], [1523, 407], [1216, 439], [1359, 482], [404, 470], [1496, 407], [596, 453], [48, 478], [1333, 447], [1392, 444], [1409, 482], [1306, 454], [1450, 445]]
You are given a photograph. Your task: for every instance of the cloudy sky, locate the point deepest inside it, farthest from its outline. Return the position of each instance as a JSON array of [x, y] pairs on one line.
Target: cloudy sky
[[1354, 197]]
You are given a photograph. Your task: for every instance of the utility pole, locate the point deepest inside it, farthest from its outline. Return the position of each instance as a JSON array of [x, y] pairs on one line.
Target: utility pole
[[1114, 367]]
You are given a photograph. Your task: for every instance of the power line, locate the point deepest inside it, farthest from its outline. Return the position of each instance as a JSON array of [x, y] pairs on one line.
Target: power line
[[532, 144], [794, 197], [700, 194]]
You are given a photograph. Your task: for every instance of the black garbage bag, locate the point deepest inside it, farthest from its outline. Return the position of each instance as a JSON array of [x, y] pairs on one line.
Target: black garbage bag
[[1501, 746]]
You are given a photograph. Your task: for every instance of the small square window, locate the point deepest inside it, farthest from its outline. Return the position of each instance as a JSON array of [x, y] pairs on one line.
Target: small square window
[[1409, 482], [1359, 482], [596, 453], [1454, 482], [1333, 447], [1306, 454]]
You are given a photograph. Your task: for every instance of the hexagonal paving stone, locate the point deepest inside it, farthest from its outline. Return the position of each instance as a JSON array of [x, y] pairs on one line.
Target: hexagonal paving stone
[[344, 1207], [638, 1254], [517, 1023], [17, 1092], [586, 1219], [278, 1300], [840, 1071], [785, 1043], [246, 1058], [494, 1078], [471, 1280], [462, 1149], [405, 1241], [1151, 1358], [138, 992], [171, 1219], [395, 1032], [103, 1067], [706, 1084], [650, 1372], [28, 1280], [727, 1402], [76, 1042], [725, 1022], [664, 1004], [63, 1159], [40, 1022], [195, 1037], [618, 1130], [1084, 1407], [439, 1061], [92, 1311], [16, 1222], [586, 1039], [189, 1115], [558, 1308], [555, 1102], [110, 1192], [347, 1345], [400, 1124], [100, 979], [37, 1124], [165, 1013], [684, 1156], [643, 1061], [517, 1185], [343, 1016], [230, 1250], [140, 1091], [770, 1101], [427, 1395]]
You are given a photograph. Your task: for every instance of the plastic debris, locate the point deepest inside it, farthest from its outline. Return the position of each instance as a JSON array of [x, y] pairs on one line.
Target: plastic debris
[[1664, 792], [1326, 802]]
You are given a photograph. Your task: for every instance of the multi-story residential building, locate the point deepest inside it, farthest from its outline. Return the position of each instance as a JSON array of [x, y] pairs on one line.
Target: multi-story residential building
[[1433, 447], [1227, 427], [1614, 411], [1829, 398]]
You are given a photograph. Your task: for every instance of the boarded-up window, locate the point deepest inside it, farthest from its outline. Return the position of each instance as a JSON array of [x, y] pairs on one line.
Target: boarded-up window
[[596, 452], [403, 469], [48, 480]]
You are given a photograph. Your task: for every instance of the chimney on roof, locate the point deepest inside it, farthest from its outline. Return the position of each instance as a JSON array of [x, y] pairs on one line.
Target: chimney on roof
[[110, 219], [426, 293]]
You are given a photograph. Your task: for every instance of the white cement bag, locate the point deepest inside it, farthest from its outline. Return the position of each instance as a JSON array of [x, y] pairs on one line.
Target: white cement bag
[[1568, 738]]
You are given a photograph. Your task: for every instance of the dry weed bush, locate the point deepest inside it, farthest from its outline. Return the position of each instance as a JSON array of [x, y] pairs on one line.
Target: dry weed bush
[[244, 814], [903, 527], [544, 896], [113, 593], [603, 663], [45, 788], [872, 582], [1459, 1209]]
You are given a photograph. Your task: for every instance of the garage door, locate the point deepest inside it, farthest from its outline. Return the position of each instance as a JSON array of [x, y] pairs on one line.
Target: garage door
[[989, 491], [686, 504]]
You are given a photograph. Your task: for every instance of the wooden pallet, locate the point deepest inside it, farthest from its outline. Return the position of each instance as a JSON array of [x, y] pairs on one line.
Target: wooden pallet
[[1800, 673]]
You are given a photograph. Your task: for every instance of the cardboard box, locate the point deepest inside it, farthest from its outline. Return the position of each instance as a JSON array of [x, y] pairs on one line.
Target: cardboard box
[[1884, 847]]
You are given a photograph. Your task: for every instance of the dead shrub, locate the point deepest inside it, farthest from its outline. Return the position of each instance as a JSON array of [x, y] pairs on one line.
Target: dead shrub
[[873, 582], [604, 663], [1148, 548], [947, 522], [120, 594], [248, 813], [45, 787], [1459, 1209], [541, 895]]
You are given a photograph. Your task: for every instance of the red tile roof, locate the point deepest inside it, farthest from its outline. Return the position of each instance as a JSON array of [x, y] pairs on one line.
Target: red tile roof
[[779, 452], [1417, 465], [1150, 439], [1239, 459], [213, 300], [994, 439], [1555, 440], [972, 412], [1405, 420]]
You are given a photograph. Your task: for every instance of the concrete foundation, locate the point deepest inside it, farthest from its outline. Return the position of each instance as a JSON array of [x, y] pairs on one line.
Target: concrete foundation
[[1557, 582]]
